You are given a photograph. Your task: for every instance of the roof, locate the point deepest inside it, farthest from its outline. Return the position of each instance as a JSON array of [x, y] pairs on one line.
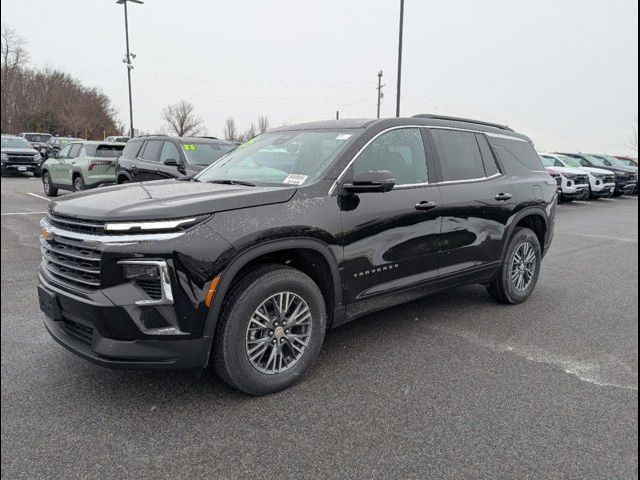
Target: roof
[[420, 120], [99, 142], [185, 139]]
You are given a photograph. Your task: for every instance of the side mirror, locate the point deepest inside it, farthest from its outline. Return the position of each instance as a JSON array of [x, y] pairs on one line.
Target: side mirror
[[371, 181], [55, 154], [170, 162]]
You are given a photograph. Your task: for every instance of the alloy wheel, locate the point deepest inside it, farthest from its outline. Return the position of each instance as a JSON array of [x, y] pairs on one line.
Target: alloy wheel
[[278, 333], [523, 266]]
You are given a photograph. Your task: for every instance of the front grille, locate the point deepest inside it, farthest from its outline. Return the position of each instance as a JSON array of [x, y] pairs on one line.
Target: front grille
[[77, 225], [151, 288], [71, 262], [582, 180], [78, 331], [21, 157]]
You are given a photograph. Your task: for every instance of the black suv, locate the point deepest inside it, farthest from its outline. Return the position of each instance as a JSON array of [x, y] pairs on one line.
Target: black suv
[[158, 157], [244, 266]]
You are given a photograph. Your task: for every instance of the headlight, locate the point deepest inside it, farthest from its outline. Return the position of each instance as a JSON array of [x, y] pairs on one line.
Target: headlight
[[153, 226], [37, 157], [5, 157]]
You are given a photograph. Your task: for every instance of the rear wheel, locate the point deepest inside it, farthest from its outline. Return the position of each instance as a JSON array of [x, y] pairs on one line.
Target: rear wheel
[[518, 275], [271, 330], [47, 186], [78, 184]]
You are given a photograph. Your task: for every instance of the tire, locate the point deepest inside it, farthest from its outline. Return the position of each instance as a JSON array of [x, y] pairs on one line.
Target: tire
[[566, 200], [47, 186], [235, 340], [505, 287], [78, 183]]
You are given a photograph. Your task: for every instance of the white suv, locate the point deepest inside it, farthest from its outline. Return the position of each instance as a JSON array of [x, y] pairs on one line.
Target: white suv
[[601, 182]]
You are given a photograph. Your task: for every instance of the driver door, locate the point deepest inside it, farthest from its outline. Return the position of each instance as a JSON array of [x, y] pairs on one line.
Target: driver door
[[390, 239]]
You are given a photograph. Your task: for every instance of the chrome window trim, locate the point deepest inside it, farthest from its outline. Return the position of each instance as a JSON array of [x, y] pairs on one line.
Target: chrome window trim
[[165, 282], [398, 187]]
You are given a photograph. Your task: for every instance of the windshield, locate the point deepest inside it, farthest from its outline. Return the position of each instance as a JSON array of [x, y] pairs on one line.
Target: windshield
[[15, 142], [547, 161], [205, 153], [280, 158], [596, 160], [613, 161], [107, 151], [570, 161], [61, 141], [37, 137], [627, 163]]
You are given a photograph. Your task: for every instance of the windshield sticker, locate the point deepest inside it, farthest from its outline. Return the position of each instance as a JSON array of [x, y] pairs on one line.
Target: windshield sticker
[[295, 179], [343, 136], [189, 147], [247, 143]]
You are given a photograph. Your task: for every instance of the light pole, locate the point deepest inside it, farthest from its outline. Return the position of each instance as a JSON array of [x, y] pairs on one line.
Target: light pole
[[127, 59], [380, 94], [400, 57]]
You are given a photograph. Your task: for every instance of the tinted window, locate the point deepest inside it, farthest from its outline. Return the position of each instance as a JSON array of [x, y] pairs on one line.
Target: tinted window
[[490, 165], [152, 150], [399, 151], [132, 148], [108, 151], [75, 150], [207, 153], [525, 154], [169, 152], [64, 153], [459, 155]]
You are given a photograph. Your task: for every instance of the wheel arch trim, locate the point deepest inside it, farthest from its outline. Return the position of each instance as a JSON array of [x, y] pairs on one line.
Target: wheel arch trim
[[248, 255]]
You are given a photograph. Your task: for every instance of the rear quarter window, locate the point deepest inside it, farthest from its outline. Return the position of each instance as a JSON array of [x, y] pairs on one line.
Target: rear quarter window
[[132, 148], [521, 152]]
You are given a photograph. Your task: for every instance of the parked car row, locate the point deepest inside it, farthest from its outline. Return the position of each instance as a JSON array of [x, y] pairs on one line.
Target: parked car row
[[589, 176]]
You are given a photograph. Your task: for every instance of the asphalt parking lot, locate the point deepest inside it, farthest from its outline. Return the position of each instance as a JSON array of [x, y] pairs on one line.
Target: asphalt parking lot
[[451, 386]]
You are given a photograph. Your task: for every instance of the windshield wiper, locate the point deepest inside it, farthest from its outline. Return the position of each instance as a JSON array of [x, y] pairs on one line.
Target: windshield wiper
[[232, 182]]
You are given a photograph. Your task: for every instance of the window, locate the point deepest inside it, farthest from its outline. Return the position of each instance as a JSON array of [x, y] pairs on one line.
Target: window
[[550, 161], [64, 153], [132, 148], [206, 153], [152, 150], [169, 152], [490, 165], [292, 157], [525, 154], [75, 150], [401, 152], [459, 155]]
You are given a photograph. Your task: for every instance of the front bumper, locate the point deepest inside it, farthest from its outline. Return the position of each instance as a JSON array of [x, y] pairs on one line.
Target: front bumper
[[626, 189], [575, 191], [20, 167], [84, 329]]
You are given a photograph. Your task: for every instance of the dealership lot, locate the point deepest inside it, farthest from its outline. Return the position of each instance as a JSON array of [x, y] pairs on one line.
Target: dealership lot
[[451, 386]]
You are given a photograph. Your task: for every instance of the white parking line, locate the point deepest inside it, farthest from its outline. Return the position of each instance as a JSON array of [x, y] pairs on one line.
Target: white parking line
[[38, 196], [23, 213]]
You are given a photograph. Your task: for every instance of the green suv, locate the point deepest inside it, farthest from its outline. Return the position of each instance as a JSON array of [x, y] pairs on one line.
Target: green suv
[[81, 165]]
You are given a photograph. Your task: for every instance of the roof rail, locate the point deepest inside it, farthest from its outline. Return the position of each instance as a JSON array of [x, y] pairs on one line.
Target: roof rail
[[466, 120], [210, 138]]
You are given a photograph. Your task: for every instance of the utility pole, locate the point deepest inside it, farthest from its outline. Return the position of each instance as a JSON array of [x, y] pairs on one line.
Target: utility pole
[[337, 114], [400, 57], [127, 60], [380, 94]]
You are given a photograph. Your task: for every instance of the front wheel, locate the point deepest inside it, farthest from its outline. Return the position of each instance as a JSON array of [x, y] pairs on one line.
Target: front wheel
[[518, 276], [47, 186], [271, 330]]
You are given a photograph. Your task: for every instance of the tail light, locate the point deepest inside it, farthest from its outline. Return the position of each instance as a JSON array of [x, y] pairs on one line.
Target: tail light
[[99, 162]]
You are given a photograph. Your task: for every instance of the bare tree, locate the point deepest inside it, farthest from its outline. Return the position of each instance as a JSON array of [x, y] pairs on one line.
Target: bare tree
[[230, 130], [249, 133], [13, 57], [181, 120], [634, 134], [14, 54], [263, 124]]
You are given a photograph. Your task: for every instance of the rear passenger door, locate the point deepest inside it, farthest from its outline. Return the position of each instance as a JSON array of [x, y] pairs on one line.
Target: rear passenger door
[[66, 165], [148, 162], [477, 201]]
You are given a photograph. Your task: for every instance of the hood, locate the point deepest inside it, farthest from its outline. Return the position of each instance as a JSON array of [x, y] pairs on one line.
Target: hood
[[569, 170], [615, 168], [165, 199], [599, 171], [23, 151]]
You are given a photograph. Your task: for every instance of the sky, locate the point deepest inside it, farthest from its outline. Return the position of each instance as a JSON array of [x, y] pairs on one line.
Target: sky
[[561, 71]]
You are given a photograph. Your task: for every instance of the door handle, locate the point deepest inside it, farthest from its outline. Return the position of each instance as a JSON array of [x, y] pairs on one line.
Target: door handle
[[424, 206], [503, 197]]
